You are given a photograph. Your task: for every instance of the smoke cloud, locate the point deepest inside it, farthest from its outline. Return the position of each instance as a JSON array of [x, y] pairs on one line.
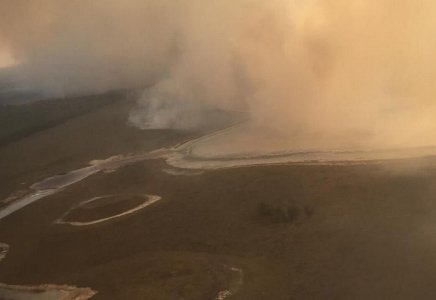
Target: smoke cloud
[[360, 72]]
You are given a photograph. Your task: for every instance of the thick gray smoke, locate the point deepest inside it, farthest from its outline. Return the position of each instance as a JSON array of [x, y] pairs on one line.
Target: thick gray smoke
[[353, 70]]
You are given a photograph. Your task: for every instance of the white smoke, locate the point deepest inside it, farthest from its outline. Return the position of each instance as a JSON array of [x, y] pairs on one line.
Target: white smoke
[[359, 70]]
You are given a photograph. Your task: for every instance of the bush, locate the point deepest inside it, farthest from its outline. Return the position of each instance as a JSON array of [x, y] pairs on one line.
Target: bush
[[282, 213]]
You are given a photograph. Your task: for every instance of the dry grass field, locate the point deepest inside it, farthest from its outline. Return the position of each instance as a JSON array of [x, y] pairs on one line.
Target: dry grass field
[[295, 231]]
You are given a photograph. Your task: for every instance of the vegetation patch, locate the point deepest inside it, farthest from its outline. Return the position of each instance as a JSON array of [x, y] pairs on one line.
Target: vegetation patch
[[20, 121], [283, 213]]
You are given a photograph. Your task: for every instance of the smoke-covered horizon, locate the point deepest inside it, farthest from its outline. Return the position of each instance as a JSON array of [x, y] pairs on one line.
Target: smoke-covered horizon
[[359, 70]]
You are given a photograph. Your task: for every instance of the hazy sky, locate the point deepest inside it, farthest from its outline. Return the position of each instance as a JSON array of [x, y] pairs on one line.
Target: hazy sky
[[331, 67], [6, 58]]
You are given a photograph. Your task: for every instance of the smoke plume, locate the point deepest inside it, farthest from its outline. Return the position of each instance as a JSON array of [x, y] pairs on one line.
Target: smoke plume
[[357, 71]]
